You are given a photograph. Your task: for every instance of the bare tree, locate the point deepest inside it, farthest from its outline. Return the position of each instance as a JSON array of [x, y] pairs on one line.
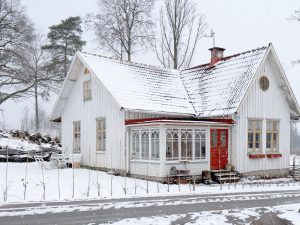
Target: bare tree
[[36, 64], [25, 119], [16, 31], [295, 17], [123, 26], [181, 28]]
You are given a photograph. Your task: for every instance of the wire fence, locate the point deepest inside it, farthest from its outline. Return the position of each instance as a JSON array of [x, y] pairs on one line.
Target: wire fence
[[88, 183]]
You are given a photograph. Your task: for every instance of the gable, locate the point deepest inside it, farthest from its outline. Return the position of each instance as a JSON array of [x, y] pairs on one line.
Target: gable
[[279, 93], [218, 90]]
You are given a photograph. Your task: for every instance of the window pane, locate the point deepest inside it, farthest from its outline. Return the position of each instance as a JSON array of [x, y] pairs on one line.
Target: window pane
[[203, 149], [145, 144], [269, 140], [258, 125], [186, 144], [172, 144], [76, 136], [250, 140], [155, 145], [276, 126], [275, 141], [269, 125], [200, 144], [135, 144], [214, 138], [223, 138], [169, 149], [250, 125], [257, 140], [197, 148], [175, 149]]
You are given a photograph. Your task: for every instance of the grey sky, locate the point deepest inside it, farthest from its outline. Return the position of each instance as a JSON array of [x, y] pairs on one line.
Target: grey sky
[[239, 25]]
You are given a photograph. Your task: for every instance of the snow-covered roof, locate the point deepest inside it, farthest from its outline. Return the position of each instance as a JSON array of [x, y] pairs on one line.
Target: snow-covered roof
[[202, 91], [141, 87], [218, 90]]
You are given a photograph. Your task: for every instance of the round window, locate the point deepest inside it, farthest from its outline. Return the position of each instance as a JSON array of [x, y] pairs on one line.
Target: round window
[[264, 83]]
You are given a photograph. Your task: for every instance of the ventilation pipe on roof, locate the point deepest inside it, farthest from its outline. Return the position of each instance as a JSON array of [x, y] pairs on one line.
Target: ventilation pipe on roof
[[216, 55]]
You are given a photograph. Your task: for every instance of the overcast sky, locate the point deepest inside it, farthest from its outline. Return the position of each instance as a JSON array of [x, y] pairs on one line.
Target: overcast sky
[[239, 25]]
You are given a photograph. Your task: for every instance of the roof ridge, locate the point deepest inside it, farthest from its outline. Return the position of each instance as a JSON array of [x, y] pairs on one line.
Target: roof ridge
[[126, 62]]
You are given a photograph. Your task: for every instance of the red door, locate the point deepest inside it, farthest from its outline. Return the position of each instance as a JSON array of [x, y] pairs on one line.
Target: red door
[[218, 148]]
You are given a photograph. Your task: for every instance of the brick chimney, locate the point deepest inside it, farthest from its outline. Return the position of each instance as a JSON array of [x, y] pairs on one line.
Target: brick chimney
[[216, 55]]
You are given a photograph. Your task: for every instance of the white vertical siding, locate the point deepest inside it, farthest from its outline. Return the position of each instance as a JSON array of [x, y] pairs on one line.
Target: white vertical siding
[[270, 104], [101, 105]]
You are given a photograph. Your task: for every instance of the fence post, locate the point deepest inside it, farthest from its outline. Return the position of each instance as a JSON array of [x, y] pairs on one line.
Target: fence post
[[194, 181], [168, 180], [179, 183]]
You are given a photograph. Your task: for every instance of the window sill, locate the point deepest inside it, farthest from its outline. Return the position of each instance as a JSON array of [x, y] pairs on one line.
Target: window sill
[[100, 152], [273, 155], [186, 162], [256, 155], [76, 151], [87, 99], [144, 161]]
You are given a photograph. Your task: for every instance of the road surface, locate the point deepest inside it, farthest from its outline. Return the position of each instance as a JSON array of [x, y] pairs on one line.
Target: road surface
[[114, 210]]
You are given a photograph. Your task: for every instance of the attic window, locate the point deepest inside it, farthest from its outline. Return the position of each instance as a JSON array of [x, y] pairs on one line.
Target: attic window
[[87, 92], [86, 71], [264, 83]]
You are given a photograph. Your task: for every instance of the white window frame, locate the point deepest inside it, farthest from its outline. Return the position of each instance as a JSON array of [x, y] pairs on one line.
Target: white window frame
[[135, 154], [145, 144], [174, 131], [141, 141], [202, 138], [272, 132], [254, 133], [154, 148], [76, 137], [101, 134], [194, 130], [187, 140]]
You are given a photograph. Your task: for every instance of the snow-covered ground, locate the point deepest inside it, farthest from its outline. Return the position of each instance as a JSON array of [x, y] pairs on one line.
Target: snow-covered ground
[[222, 217], [110, 186]]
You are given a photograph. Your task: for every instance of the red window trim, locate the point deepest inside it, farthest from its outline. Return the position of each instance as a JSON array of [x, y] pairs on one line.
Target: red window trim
[[256, 156], [274, 155]]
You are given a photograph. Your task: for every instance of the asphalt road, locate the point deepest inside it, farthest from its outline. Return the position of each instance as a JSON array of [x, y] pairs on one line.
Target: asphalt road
[[106, 211]]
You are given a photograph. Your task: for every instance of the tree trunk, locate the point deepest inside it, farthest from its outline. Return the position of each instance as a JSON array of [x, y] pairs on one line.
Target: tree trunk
[[36, 105]]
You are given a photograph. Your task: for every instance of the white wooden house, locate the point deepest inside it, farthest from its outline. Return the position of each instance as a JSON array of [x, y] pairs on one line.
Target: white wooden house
[[144, 119]]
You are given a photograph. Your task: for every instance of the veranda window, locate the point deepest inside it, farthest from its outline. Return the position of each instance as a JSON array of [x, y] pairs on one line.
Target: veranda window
[[254, 135], [135, 144], [186, 144], [172, 144], [200, 144], [100, 134], [145, 144], [76, 136], [154, 144], [272, 136]]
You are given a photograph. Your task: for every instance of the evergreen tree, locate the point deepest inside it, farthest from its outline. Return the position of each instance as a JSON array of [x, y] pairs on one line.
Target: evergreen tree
[[64, 41]]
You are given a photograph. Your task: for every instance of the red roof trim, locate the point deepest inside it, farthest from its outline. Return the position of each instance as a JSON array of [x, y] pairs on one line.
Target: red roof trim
[[147, 120]]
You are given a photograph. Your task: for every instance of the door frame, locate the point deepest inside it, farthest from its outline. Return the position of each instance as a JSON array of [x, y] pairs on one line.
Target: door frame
[[219, 146]]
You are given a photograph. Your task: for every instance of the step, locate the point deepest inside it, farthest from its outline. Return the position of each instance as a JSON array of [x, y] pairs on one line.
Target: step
[[228, 178], [230, 174], [220, 171]]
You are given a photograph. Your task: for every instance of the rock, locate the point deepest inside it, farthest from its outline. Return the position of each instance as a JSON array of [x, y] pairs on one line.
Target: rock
[[57, 140]]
